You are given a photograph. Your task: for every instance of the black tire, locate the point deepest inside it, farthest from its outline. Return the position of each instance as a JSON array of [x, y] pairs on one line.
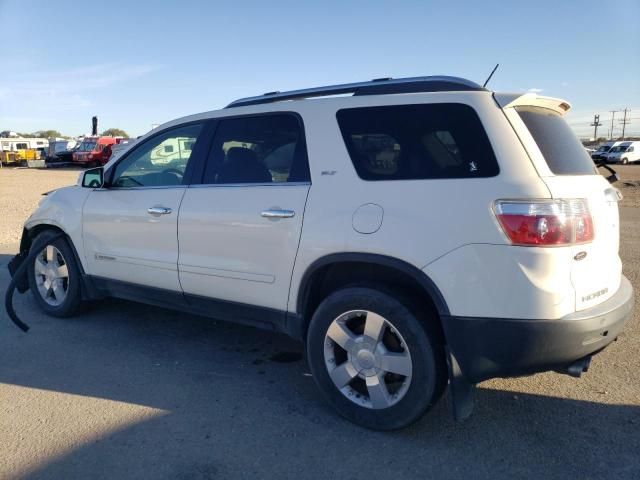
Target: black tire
[[429, 373], [73, 298], [625, 161]]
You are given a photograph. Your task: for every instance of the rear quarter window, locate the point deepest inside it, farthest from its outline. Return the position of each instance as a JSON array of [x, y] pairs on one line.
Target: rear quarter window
[[410, 142], [561, 149]]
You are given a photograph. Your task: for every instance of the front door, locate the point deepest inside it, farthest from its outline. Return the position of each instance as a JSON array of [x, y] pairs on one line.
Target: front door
[[130, 226], [239, 229]]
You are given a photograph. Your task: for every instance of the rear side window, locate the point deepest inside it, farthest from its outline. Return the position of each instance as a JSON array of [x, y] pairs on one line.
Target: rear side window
[[561, 149], [258, 149], [408, 142]]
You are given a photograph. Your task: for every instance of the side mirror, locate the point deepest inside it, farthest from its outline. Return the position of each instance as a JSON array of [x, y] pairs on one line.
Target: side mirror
[[93, 178]]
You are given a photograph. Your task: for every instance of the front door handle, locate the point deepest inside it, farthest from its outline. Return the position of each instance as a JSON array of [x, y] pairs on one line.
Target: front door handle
[[277, 213], [159, 210]]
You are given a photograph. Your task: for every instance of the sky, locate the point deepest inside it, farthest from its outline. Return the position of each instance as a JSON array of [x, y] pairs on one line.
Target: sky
[[139, 63]]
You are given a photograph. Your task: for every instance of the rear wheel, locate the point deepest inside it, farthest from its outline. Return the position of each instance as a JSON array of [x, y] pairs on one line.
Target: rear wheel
[[54, 276], [377, 363]]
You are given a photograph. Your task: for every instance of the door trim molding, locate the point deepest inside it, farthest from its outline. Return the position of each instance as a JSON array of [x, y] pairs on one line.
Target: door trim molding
[[224, 310]]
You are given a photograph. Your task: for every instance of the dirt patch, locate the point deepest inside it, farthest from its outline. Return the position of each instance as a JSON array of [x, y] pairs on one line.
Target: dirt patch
[[629, 184], [20, 191]]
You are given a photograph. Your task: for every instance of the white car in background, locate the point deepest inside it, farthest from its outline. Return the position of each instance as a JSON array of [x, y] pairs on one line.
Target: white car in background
[[624, 152]]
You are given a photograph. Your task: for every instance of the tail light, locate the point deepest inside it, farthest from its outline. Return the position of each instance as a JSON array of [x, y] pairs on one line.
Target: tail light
[[545, 222]]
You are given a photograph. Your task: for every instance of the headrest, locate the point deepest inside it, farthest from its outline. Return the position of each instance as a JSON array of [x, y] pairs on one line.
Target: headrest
[[241, 155]]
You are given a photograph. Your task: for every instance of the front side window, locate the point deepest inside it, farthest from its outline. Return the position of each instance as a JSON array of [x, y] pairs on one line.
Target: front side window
[[410, 142], [259, 149], [160, 161]]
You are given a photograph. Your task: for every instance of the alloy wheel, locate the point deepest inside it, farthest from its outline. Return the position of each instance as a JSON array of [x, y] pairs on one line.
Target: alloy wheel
[[367, 359], [52, 275]]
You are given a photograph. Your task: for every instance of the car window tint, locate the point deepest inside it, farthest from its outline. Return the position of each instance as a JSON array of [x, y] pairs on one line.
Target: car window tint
[[560, 147], [404, 142], [160, 161], [258, 149]]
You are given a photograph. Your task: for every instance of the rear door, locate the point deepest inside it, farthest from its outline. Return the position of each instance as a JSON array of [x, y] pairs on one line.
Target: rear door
[[239, 228], [569, 173]]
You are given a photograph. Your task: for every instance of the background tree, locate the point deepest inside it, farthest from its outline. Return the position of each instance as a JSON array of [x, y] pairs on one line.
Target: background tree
[[115, 132], [47, 133]]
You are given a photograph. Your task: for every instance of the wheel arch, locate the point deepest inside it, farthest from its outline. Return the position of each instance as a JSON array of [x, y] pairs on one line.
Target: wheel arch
[[350, 267], [29, 234]]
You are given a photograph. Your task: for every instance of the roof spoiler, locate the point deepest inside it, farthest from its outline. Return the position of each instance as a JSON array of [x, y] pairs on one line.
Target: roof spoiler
[[506, 100]]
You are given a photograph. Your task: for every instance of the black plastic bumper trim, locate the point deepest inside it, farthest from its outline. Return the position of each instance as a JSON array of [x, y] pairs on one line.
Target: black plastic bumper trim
[[502, 347]]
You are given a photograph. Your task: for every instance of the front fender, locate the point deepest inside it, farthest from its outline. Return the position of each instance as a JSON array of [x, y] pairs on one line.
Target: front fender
[[62, 209]]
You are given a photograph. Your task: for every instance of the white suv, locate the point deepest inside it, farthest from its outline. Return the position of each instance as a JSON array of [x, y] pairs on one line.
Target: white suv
[[413, 233]]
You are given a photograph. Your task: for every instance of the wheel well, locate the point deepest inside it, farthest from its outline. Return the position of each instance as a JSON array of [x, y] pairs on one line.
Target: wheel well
[[400, 278], [29, 235]]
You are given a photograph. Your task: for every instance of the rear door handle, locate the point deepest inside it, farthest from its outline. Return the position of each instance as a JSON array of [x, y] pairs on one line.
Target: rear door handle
[[276, 213], [159, 210]]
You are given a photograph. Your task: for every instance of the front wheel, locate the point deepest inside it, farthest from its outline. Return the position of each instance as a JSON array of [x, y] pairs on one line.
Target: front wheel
[[624, 161], [54, 276], [377, 362]]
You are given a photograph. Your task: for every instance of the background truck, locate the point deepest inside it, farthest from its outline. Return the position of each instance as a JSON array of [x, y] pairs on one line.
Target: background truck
[[93, 151]]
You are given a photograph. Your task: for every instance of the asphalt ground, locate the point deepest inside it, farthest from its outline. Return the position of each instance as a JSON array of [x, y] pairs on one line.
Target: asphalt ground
[[125, 390]]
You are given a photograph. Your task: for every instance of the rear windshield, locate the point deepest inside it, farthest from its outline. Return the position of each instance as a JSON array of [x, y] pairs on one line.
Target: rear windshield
[[408, 142], [562, 150]]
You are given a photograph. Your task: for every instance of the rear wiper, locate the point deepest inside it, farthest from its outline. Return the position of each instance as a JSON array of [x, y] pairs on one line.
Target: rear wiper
[[613, 178]]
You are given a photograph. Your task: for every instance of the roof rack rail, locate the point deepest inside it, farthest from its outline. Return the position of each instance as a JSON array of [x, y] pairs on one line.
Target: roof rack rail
[[378, 86]]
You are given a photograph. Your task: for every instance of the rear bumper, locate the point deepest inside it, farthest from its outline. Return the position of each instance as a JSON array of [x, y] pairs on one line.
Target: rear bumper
[[501, 347]]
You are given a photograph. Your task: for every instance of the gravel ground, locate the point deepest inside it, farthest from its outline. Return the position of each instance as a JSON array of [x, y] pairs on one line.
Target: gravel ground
[[20, 191], [131, 391]]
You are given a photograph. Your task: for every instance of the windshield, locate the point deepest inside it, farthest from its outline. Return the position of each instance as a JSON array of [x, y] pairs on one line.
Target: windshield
[[603, 148], [560, 147], [87, 146]]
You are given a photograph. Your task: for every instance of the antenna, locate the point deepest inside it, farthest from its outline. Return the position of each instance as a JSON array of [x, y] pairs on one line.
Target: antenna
[[490, 75]]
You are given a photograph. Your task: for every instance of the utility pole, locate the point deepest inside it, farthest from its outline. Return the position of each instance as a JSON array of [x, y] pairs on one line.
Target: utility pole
[[624, 121], [613, 115], [596, 123]]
